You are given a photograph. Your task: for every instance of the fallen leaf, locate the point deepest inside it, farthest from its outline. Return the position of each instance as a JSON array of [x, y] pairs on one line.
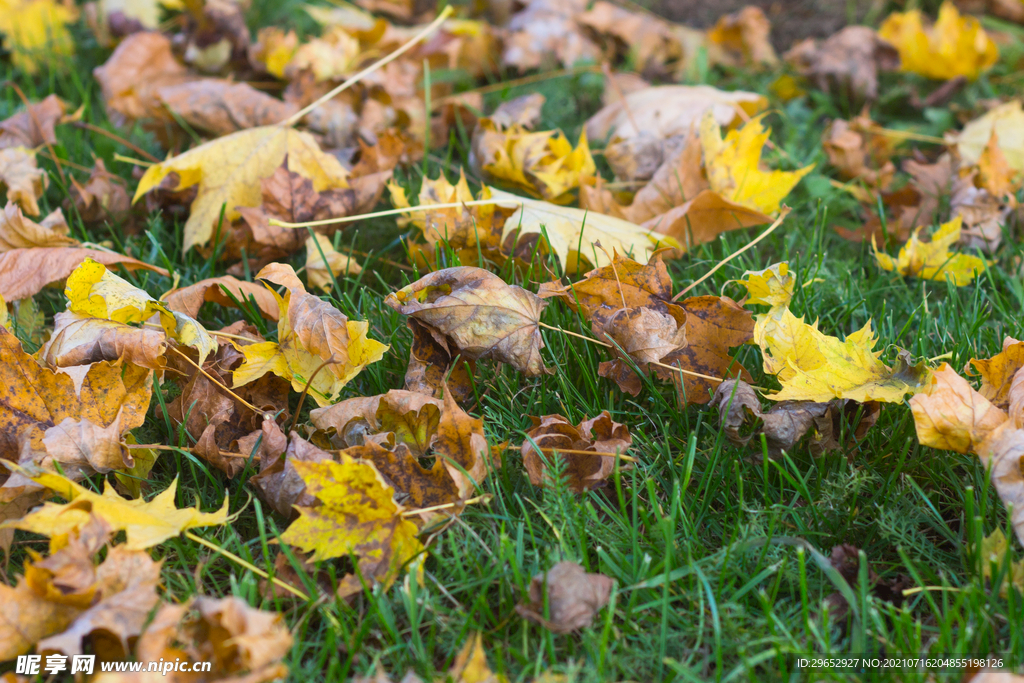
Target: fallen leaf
[[21, 177], [858, 153], [356, 516], [482, 315], [951, 416], [312, 336], [670, 110], [147, 523], [228, 171], [544, 32], [103, 197], [542, 164], [648, 39], [933, 260], [812, 366], [846, 63], [25, 272], [18, 232], [220, 107], [733, 166], [132, 76], [33, 126], [785, 424], [323, 263], [772, 286], [572, 234], [642, 335], [461, 445], [954, 46], [581, 472], [348, 423], [704, 218], [224, 291], [273, 49], [36, 32], [994, 550], [743, 39], [1006, 122], [432, 364], [998, 371], [470, 665], [83, 340], [568, 595]]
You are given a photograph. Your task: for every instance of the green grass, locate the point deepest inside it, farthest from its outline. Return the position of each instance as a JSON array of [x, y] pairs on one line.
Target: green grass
[[699, 535]]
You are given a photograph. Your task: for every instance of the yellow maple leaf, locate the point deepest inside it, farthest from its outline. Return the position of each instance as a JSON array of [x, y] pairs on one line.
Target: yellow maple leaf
[[954, 46], [772, 286], [94, 291], [733, 166], [147, 523], [36, 31], [229, 169], [933, 260], [572, 234], [949, 414], [542, 164], [356, 517], [310, 333], [812, 366], [1006, 123]]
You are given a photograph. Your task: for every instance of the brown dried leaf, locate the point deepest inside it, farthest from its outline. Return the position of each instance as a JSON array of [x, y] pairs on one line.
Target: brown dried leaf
[[18, 232], [642, 334], [103, 197], [582, 472], [189, 300], [132, 76], [33, 126], [572, 596], [430, 360], [742, 39], [278, 483], [461, 443], [24, 272], [484, 316], [545, 32], [847, 62], [22, 179], [951, 416], [83, 340], [219, 107]]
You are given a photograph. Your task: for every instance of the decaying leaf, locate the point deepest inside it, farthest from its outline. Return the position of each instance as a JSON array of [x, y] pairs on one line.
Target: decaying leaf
[[228, 171], [812, 366], [20, 176], [952, 416], [1006, 122], [147, 523], [933, 260], [316, 343], [733, 166], [785, 424], [571, 596], [356, 516], [997, 372], [103, 196], [83, 340], [742, 39], [847, 63], [131, 77], [545, 32], [955, 46], [25, 272], [221, 107], [18, 232], [33, 126], [582, 472], [642, 335], [482, 315]]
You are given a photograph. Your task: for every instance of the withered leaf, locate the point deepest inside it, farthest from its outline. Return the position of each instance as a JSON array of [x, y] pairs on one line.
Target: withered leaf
[[572, 596], [24, 272], [846, 63], [190, 299], [582, 471], [33, 126], [485, 317], [220, 107]]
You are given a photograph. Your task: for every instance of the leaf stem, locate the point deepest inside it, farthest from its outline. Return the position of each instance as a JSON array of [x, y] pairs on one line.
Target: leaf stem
[[387, 212], [571, 451], [433, 26], [219, 383], [238, 560], [479, 499]]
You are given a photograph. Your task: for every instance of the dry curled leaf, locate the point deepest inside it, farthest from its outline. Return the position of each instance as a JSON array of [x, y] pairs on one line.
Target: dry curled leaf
[[18, 232], [582, 472], [21, 178], [220, 107], [33, 126], [482, 315], [952, 416], [846, 63], [103, 197], [571, 595], [25, 272], [642, 335], [545, 32], [134, 73], [742, 39], [224, 291], [83, 340]]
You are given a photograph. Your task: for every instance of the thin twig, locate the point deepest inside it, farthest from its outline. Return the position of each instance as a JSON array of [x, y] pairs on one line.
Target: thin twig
[[238, 560], [387, 212], [434, 25], [305, 390], [445, 506], [905, 135], [130, 160], [116, 138], [219, 383], [730, 257], [571, 451]]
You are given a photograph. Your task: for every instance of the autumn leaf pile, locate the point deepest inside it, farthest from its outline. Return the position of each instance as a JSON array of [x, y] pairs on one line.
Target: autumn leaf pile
[[197, 301]]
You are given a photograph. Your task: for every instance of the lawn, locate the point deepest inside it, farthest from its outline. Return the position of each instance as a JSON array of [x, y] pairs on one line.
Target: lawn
[[720, 554]]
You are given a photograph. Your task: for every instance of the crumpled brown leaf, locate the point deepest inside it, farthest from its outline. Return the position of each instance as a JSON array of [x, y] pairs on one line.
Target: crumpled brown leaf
[[21, 178], [219, 107], [545, 32], [278, 483], [190, 299], [431, 356], [103, 197], [132, 76], [742, 39], [484, 316], [581, 471], [858, 153], [786, 423], [649, 40], [847, 63], [83, 340], [18, 232], [33, 126], [643, 335], [573, 597]]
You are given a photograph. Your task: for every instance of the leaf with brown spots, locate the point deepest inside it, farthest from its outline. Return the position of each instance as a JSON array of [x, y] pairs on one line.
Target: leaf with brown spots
[[461, 444], [33, 126], [485, 317], [415, 486], [582, 471], [431, 358], [566, 598], [24, 272], [83, 340], [642, 335]]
